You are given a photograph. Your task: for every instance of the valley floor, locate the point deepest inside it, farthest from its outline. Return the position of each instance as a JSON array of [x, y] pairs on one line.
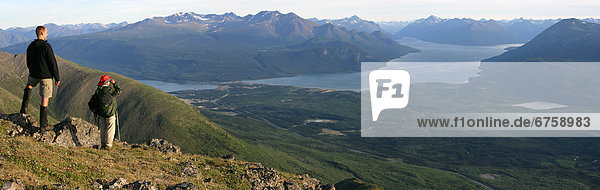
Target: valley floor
[[324, 125]]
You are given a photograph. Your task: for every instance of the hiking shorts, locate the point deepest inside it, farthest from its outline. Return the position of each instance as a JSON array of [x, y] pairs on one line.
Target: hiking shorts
[[45, 86]]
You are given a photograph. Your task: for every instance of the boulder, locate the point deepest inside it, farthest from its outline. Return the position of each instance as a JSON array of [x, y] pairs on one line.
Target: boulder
[[189, 169], [76, 132], [183, 186], [140, 185], [261, 177], [163, 146], [24, 124], [13, 185], [70, 132], [228, 157], [97, 185], [117, 183]]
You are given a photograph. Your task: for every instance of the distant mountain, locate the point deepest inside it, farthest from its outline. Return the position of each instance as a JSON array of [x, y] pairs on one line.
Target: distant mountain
[[592, 20], [353, 22], [392, 27], [526, 29], [208, 47], [567, 40], [54, 31], [8, 38], [458, 31]]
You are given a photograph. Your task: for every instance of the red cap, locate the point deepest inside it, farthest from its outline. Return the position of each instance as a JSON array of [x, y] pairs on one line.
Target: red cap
[[103, 79]]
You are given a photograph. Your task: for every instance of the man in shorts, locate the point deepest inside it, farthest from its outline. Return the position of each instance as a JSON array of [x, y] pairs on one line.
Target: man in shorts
[[42, 69]]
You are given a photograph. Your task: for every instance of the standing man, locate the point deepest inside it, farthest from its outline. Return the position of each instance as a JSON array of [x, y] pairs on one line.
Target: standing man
[[107, 109], [42, 69]]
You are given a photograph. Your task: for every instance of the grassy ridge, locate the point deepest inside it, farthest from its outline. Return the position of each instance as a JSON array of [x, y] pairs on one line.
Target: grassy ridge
[[41, 165], [145, 112]]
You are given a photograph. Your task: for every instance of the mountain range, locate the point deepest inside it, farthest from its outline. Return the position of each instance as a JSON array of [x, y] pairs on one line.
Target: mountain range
[[15, 35], [521, 29], [526, 29], [458, 31], [466, 31], [354, 22], [208, 47], [391, 27], [9, 38], [567, 40]]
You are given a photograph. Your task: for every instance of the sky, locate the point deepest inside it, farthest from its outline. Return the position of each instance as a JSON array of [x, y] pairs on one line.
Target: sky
[[23, 13]]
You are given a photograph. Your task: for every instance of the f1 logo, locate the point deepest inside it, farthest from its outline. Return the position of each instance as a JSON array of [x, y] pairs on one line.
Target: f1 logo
[[389, 89]]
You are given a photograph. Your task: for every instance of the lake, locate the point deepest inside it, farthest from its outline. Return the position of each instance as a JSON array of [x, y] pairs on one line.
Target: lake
[[171, 87], [433, 52], [432, 68], [436, 66]]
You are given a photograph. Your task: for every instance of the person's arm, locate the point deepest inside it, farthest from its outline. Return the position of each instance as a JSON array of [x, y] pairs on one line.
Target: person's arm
[[52, 65], [116, 90], [27, 56]]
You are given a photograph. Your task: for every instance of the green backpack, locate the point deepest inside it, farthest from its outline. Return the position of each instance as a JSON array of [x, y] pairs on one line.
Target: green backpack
[[94, 104]]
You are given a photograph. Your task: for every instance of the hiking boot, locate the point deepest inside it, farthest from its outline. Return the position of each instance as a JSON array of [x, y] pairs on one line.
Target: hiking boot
[[25, 102], [44, 119]]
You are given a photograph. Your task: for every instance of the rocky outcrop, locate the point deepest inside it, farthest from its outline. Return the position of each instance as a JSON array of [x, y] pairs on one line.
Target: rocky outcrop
[[229, 157], [117, 183], [163, 146], [13, 185], [183, 186], [189, 169], [268, 178], [23, 124], [75, 132], [71, 132], [140, 185], [121, 183]]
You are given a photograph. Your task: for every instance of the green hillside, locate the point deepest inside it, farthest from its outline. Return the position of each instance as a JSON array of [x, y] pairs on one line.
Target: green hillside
[[568, 40], [144, 111], [353, 183], [43, 166], [147, 112]]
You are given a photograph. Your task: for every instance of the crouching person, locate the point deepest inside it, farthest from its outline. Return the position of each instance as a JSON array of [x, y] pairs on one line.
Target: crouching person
[[106, 108]]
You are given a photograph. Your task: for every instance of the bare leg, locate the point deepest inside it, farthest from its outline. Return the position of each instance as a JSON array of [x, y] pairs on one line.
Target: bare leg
[[45, 102]]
